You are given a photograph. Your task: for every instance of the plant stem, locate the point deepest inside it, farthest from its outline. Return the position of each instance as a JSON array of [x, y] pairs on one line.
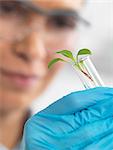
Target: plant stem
[[86, 74]]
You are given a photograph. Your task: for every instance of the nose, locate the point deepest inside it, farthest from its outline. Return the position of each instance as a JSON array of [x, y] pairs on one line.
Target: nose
[[31, 48]]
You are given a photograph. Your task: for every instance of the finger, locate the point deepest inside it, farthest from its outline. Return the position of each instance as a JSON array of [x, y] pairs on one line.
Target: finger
[[79, 100], [106, 143], [67, 123], [41, 135], [90, 133], [35, 136], [101, 110]]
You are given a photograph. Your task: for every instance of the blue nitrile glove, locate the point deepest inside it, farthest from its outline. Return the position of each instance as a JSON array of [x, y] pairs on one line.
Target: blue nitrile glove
[[82, 120]]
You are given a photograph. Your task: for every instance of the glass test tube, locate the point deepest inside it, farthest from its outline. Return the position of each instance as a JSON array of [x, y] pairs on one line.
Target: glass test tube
[[88, 74]]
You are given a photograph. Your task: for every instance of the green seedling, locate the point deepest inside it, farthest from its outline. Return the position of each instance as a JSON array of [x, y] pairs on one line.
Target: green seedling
[[73, 60]]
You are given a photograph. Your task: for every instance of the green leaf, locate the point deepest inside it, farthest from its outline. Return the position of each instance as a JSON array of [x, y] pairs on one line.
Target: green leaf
[[84, 51], [66, 53], [54, 61]]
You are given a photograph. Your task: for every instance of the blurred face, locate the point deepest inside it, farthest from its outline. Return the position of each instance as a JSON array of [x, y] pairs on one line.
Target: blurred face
[[28, 41]]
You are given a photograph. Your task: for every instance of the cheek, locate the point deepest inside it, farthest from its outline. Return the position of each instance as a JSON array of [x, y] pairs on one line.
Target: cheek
[[61, 41]]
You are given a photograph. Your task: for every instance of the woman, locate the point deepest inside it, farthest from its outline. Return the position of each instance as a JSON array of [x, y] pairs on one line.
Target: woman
[[28, 38]]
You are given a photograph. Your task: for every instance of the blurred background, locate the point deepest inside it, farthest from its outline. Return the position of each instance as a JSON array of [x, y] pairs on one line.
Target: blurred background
[[99, 38]]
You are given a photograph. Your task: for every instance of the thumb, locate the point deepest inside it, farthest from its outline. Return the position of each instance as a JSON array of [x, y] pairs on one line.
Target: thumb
[[79, 100]]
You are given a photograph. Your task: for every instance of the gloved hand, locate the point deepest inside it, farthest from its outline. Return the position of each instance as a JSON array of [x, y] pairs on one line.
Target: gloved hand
[[82, 120]]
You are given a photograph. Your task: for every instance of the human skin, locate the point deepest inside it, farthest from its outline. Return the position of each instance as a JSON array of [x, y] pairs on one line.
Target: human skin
[[29, 57]]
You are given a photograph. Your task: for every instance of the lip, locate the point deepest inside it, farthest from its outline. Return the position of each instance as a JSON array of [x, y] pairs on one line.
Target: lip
[[20, 80]]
